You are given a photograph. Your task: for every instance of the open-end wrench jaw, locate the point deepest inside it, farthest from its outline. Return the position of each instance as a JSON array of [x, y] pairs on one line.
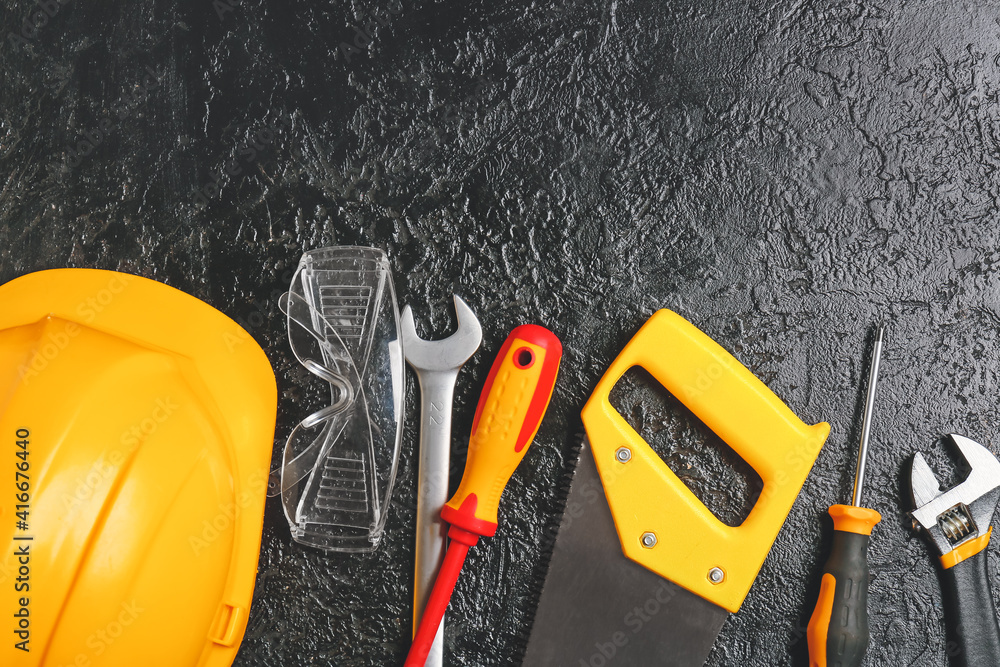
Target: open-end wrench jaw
[[442, 355], [963, 512]]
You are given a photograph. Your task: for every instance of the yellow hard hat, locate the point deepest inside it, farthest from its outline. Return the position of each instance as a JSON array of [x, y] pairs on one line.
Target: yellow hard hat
[[136, 426]]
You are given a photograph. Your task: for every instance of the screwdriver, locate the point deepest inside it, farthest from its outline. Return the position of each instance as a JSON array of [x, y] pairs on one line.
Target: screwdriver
[[838, 630], [511, 407]]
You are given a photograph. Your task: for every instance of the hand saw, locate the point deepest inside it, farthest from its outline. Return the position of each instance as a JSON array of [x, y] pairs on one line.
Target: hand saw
[[642, 573]]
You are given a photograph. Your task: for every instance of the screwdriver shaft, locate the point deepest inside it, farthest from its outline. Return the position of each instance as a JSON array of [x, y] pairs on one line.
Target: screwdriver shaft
[[866, 422]]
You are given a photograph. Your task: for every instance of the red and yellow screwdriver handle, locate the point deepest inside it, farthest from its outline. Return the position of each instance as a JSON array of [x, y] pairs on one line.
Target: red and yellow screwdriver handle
[[838, 629], [510, 410], [511, 407]]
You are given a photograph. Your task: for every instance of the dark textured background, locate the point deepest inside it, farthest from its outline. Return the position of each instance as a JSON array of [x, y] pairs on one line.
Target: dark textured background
[[782, 174]]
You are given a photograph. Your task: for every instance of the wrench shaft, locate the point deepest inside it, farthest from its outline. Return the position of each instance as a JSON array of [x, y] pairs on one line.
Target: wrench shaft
[[972, 618], [437, 390]]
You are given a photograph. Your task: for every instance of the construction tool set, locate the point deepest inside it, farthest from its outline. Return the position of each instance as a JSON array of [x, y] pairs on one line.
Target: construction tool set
[[143, 423]]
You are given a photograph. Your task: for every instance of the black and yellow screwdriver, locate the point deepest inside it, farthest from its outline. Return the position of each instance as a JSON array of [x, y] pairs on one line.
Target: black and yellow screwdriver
[[838, 629]]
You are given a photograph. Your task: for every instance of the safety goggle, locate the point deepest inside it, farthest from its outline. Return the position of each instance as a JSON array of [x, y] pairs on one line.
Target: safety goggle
[[339, 464]]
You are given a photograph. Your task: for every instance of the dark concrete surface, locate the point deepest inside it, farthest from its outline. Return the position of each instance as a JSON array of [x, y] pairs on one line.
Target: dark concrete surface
[[782, 174]]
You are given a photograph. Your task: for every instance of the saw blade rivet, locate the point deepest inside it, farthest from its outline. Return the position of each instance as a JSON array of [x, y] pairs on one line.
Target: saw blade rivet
[[624, 455], [649, 540], [716, 575]]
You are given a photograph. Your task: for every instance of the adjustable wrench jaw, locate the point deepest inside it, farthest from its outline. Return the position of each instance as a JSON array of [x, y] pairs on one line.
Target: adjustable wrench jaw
[[964, 512]]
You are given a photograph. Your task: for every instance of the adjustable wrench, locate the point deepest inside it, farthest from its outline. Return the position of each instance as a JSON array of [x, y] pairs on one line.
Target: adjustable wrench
[[958, 523], [437, 364]]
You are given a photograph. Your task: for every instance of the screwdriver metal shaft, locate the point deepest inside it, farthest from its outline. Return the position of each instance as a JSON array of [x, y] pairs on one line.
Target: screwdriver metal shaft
[[838, 630], [866, 421]]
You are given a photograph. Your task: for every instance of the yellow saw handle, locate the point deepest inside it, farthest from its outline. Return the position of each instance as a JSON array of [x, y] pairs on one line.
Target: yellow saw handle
[[661, 524]]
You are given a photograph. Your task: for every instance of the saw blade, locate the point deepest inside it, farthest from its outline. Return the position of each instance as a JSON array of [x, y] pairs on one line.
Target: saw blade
[[600, 609]]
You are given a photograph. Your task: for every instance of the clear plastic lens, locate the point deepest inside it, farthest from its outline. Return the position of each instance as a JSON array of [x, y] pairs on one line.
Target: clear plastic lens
[[339, 464]]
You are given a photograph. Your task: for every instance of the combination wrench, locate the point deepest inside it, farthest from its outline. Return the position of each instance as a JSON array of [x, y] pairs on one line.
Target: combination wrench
[[437, 364]]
